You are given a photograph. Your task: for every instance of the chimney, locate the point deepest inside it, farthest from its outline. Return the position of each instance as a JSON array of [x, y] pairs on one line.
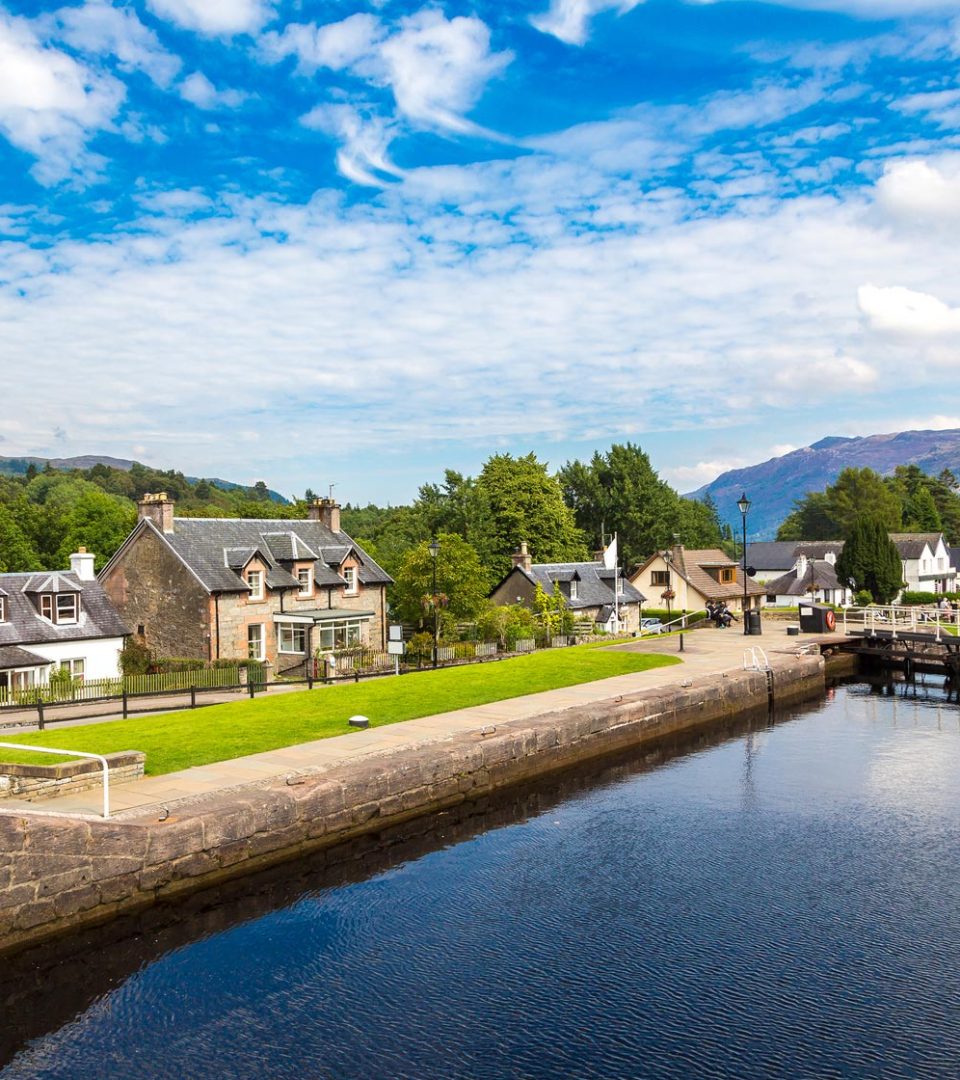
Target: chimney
[[157, 508], [326, 511], [522, 558], [81, 564], [801, 565]]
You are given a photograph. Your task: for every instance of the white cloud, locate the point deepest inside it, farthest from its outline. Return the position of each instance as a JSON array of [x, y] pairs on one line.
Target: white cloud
[[921, 191], [100, 29], [200, 91], [51, 104], [335, 45], [363, 157], [903, 311], [215, 17], [569, 20]]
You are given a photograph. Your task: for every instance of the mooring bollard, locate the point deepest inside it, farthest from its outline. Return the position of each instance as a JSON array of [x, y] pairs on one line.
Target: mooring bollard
[[681, 642], [359, 722]]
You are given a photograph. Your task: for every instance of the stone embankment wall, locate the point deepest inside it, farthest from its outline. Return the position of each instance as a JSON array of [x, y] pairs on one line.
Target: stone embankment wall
[[57, 873], [33, 782]]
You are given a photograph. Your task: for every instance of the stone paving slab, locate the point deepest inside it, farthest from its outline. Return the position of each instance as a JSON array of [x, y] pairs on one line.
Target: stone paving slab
[[706, 652]]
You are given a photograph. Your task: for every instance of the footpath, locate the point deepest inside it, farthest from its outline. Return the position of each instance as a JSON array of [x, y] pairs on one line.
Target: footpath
[[706, 652]]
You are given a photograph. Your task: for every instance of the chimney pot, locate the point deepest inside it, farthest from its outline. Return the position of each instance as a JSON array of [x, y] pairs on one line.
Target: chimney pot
[[158, 508], [81, 564], [522, 557], [327, 512]]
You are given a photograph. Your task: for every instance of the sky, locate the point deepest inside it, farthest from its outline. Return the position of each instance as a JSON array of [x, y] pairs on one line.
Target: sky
[[360, 243]]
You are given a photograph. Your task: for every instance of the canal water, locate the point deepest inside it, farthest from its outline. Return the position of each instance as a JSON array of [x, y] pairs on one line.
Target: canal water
[[780, 899]]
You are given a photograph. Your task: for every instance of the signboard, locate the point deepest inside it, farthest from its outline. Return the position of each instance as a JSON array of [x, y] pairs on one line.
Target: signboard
[[396, 648], [395, 632]]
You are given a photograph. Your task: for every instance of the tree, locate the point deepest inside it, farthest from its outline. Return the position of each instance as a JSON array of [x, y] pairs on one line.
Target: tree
[[921, 513], [100, 523], [526, 503], [17, 553], [831, 513], [460, 582], [621, 492], [870, 561]]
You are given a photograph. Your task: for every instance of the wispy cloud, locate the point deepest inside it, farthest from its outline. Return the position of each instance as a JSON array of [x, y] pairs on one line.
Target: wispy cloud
[[215, 17]]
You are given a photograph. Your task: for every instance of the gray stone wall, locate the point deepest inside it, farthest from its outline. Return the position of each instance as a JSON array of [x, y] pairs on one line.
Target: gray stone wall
[[57, 873], [150, 587], [33, 782]]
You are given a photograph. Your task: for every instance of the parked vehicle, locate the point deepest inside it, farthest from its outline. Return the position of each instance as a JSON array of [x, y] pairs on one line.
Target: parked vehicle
[[651, 626]]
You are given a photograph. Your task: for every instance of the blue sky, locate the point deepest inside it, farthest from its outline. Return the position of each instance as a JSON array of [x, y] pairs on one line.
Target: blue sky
[[353, 243]]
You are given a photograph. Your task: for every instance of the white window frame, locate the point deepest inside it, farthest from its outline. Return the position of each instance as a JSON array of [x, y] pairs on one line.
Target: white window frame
[[260, 641], [341, 635], [574, 589], [3, 609], [74, 605], [290, 632], [251, 576], [350, 577], [305, 592], [76, 667], [46, 606]]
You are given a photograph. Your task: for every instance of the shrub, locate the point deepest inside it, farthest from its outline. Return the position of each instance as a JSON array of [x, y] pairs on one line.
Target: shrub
[[165, 665], [863, 597], [420, 647], [911, 598], [135, 657]]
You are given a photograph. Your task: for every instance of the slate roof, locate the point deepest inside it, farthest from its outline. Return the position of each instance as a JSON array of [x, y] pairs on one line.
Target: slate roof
[[213, 549], [24, 626], [11, 656], [594, 583], [819, 575], [782, 554], [911, 545], [691, 562]]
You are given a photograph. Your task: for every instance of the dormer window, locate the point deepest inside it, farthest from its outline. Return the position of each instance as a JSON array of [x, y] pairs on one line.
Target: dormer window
[[3, 609], [254, 579], [46, 606], [67, 607], [305, 581], [350, 577]]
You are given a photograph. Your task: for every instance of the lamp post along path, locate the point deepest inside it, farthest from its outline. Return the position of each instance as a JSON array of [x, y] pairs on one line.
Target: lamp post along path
[[743, 505], [434, 550]]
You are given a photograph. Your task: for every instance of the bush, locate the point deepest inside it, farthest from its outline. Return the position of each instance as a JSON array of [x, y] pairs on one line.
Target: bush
[[420, 647], [243, 662], [165, 665], [863, 597], [911, 598], [135, 657]]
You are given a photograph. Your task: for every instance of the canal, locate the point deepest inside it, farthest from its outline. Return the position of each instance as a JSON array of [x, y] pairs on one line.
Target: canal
[[780, 898]]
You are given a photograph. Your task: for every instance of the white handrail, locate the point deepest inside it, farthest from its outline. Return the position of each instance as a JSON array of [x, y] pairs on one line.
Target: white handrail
[[71, 753], [681, 619], [757, 659]]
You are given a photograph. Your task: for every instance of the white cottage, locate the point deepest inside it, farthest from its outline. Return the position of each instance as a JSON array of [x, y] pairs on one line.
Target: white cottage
[[57, 619]]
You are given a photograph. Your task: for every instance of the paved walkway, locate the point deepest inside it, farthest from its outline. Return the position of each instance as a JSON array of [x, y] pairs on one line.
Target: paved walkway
[[706, 652]]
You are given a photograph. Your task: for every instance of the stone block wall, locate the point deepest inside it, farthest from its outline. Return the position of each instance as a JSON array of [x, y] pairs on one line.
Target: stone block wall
[[33, 782], [57, 873]]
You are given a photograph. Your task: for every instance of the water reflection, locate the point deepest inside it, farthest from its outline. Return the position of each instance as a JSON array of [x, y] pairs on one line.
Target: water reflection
[[781, 900]]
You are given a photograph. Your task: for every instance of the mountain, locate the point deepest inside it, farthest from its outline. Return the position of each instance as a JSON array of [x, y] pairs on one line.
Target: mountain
[[773, 485], [16, 466]]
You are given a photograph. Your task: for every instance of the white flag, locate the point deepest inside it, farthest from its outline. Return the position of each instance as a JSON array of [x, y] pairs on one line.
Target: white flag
[[610, 554]]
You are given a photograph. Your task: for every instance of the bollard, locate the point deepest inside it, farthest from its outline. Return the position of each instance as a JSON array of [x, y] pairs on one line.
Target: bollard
[[40, 713], [681, 642], [193, 697], [250, 687], [125, 709]]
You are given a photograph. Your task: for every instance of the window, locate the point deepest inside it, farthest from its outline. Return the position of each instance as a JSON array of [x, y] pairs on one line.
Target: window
[[727, 575], [350, 576], [660, 577], [46, 606], [291, 638], [305, 581], [619, 588], [255, 641], [255, 581], [574, 589], [341, 635], [74, 668], [3, 609], [66, 607]]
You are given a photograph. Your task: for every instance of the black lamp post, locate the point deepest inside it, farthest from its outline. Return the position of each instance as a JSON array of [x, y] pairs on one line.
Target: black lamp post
[[743, 505], [434, 550]]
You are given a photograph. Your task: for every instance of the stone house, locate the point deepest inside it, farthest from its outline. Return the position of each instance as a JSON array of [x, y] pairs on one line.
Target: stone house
[[57, 619], [593, 591], [684, 580], [232, 588]]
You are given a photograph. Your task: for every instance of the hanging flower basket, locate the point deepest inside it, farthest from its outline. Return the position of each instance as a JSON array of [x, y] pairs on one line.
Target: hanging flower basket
[[668, 594], [434, 600]]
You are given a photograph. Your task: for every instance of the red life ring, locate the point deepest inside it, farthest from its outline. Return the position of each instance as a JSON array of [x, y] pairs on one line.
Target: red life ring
[[831, 620]]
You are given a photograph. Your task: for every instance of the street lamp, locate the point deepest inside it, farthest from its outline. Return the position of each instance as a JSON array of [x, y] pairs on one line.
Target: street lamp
[[434, 550], [743, 505]]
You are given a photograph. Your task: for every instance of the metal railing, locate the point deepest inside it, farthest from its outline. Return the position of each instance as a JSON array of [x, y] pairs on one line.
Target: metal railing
[[59, 691], [682, 622], [755, 659], [71, 753], [901, 618]]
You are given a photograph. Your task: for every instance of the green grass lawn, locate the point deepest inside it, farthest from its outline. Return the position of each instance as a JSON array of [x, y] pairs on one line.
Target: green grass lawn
[[219, 732]]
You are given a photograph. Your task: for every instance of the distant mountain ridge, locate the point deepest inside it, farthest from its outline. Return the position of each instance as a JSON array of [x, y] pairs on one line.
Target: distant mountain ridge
[[774, 485], [17, 466]]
